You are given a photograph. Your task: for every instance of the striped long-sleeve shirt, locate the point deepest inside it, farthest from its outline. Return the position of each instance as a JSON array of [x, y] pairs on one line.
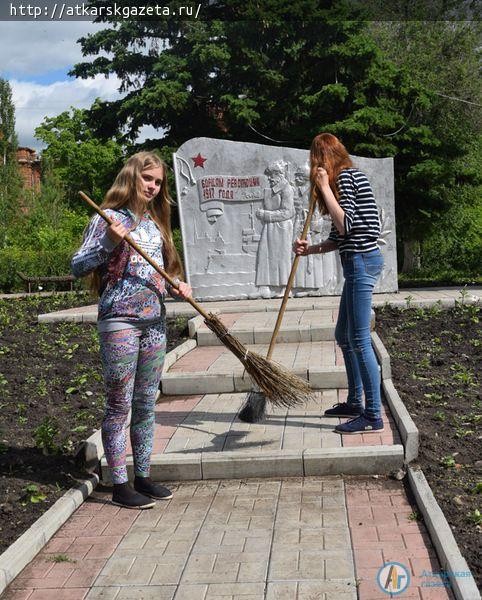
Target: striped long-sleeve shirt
[[362, 221]]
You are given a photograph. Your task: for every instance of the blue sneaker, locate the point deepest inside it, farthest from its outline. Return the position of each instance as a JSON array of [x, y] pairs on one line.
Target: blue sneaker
[[343, 409], [361, 425]]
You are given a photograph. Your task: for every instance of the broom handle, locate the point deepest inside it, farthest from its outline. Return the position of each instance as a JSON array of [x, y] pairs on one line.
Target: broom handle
[[291, 278], [146, 257]]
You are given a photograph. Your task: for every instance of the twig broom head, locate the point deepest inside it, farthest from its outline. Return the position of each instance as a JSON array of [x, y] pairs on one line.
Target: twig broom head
[[280, 387]]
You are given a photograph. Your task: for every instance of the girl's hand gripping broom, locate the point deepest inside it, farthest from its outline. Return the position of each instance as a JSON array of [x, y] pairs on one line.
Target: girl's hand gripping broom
[[254, 409], [279, 386]]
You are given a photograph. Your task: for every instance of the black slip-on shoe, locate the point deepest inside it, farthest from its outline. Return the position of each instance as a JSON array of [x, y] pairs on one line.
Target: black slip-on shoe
[[146, 486], [123, 495]]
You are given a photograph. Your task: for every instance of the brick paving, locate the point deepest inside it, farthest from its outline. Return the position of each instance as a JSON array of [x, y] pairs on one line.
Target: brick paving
[[269, 539], [294, 356], [385, 528]]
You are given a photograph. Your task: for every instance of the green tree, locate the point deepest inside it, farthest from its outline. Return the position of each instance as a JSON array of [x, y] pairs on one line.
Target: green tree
[[75, 157], [10, 183], [283, 74], [274, 75], [8, 140], [444, 186]]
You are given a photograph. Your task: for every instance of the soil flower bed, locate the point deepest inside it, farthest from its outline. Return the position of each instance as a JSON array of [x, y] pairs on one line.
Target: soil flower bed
[[51, 398], [436, 364]]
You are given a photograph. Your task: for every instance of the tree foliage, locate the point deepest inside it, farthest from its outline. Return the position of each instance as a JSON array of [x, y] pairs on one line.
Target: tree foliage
[[443, 187], [8, 139], [281, 73], [10, 183], [75, 157], [283, 78]]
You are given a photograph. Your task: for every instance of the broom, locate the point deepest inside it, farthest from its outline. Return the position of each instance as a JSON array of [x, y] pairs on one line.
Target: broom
[[279, 386], [254, 409]]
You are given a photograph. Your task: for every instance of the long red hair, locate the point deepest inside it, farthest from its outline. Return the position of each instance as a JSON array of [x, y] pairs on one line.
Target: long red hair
[[126, 191], [328, 152]]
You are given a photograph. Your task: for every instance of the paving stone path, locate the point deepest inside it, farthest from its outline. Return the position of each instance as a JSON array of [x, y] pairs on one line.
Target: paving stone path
[[275, 538], [284, 539]]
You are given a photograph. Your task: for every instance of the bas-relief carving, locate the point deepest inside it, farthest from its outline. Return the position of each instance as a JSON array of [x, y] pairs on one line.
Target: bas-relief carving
[[316, 271], [241, 207], [273, 260]]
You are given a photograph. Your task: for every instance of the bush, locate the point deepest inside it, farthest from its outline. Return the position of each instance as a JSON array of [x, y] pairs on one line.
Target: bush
[[31, 263], [428, 278], [455, 244], [41, 238], [176, 236]]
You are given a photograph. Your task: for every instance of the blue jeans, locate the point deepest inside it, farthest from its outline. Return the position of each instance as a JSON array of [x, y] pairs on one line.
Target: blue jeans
[[361, 271]]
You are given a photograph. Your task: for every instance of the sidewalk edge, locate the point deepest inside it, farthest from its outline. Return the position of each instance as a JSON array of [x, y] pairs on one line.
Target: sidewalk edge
[[17, 556], [406, 425], [448, 552]]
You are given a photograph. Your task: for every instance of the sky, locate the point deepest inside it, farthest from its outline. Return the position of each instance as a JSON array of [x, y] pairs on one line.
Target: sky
[[36, 57]]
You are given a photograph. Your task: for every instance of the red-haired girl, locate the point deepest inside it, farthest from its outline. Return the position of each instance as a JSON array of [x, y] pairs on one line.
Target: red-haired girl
[[345, 193]]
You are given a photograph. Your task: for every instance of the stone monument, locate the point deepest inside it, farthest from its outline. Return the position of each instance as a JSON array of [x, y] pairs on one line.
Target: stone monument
[[241, 206]]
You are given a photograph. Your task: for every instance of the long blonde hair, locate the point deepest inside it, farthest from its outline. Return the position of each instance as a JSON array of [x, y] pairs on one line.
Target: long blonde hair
[[328, 152], [126, 191]]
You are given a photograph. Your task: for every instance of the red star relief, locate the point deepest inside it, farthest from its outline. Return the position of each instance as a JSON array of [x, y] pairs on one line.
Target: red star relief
[[198, 160]]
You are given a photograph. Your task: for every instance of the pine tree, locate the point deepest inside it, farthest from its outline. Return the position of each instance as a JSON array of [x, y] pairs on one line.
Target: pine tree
[[271, 76], [279, 73]]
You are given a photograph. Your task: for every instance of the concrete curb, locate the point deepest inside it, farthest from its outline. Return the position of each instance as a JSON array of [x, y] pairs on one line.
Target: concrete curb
[[28, 545], [451, 560], [175, 309], [425, 303], [175, 354], [365, 460], [288, 334], [91, 451], [382, 355], [194, 324], [369, 460], [406, 426], [262, 335]]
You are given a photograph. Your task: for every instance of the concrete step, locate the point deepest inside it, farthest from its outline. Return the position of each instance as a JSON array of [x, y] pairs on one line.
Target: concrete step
[[200, 437], [214, 369], [257, 328], [369, 460]]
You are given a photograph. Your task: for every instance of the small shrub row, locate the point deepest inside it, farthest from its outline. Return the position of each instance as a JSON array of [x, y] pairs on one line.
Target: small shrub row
[[42, 263], [32, 264]]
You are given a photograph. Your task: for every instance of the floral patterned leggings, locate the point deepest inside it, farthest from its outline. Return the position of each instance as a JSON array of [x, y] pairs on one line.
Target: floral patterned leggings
[[132, 360]]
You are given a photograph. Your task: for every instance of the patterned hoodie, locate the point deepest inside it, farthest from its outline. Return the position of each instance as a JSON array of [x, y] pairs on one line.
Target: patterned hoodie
[[131, 291]]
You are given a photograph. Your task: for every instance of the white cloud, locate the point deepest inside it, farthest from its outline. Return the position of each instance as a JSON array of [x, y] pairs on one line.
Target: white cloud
[[33, 101], [29, 48], [36, 57]]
